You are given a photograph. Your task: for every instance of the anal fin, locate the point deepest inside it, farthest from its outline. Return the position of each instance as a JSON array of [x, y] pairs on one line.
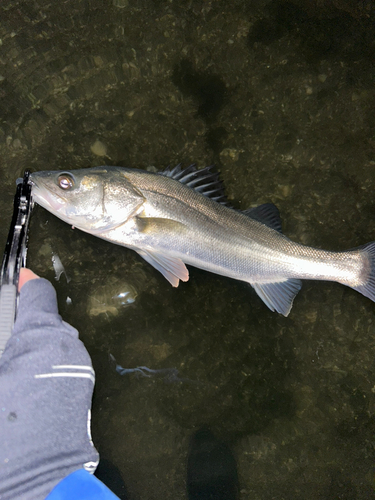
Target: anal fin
[[278, 296], [171, 268]]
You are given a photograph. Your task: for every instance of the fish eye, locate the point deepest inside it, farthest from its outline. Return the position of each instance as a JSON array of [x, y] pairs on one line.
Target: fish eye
[[65, 181]]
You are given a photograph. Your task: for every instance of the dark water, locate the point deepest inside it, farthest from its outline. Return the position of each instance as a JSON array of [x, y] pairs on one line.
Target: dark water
[[281, 98]]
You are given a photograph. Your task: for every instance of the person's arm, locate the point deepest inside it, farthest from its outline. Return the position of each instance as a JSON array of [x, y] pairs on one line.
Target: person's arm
[[46, 385]]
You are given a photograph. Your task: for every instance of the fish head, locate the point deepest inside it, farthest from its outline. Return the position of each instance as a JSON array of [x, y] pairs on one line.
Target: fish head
[[93, 199]]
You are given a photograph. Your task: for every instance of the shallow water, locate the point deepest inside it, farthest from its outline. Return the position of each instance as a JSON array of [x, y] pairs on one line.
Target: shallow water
[[282, 100]]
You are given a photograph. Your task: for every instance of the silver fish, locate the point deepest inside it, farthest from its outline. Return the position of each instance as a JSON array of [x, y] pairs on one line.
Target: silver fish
[[179, 217]]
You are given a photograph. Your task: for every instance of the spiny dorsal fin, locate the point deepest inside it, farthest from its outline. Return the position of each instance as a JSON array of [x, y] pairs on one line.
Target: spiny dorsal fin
[[204, 181], [267, 214]]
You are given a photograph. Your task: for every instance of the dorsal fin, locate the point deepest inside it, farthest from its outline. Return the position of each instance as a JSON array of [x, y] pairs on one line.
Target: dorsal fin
[[204, 181], [267, 214]]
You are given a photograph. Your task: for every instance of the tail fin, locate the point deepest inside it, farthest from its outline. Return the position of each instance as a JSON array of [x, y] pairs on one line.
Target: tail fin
[[368, 289]]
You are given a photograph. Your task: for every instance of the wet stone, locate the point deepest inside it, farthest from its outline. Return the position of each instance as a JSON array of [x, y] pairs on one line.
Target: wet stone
[[111, 299], [98, 148]]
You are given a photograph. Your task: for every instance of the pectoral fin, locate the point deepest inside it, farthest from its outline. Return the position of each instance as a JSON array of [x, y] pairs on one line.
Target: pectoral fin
[[278, 296], [171, 268]]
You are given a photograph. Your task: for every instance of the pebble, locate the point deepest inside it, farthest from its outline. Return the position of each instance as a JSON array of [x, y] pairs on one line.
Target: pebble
[[98, 148]]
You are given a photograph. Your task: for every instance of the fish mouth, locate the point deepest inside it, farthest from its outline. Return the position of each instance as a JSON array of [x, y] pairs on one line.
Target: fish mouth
[[45, 196]]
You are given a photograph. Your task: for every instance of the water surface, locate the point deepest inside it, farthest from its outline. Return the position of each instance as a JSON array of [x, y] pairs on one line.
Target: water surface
[[281, 98]]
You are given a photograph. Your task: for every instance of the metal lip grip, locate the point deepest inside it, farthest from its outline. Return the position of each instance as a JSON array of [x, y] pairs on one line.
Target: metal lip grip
[[14, 258]]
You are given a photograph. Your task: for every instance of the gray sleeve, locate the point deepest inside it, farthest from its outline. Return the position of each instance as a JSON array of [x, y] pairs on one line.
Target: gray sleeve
[[46, 385]]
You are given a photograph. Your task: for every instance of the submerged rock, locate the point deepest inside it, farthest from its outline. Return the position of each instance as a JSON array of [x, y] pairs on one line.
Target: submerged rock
[[111, 298]]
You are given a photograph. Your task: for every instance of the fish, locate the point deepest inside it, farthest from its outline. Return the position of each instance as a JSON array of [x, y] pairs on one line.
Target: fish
[[180, 216]]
